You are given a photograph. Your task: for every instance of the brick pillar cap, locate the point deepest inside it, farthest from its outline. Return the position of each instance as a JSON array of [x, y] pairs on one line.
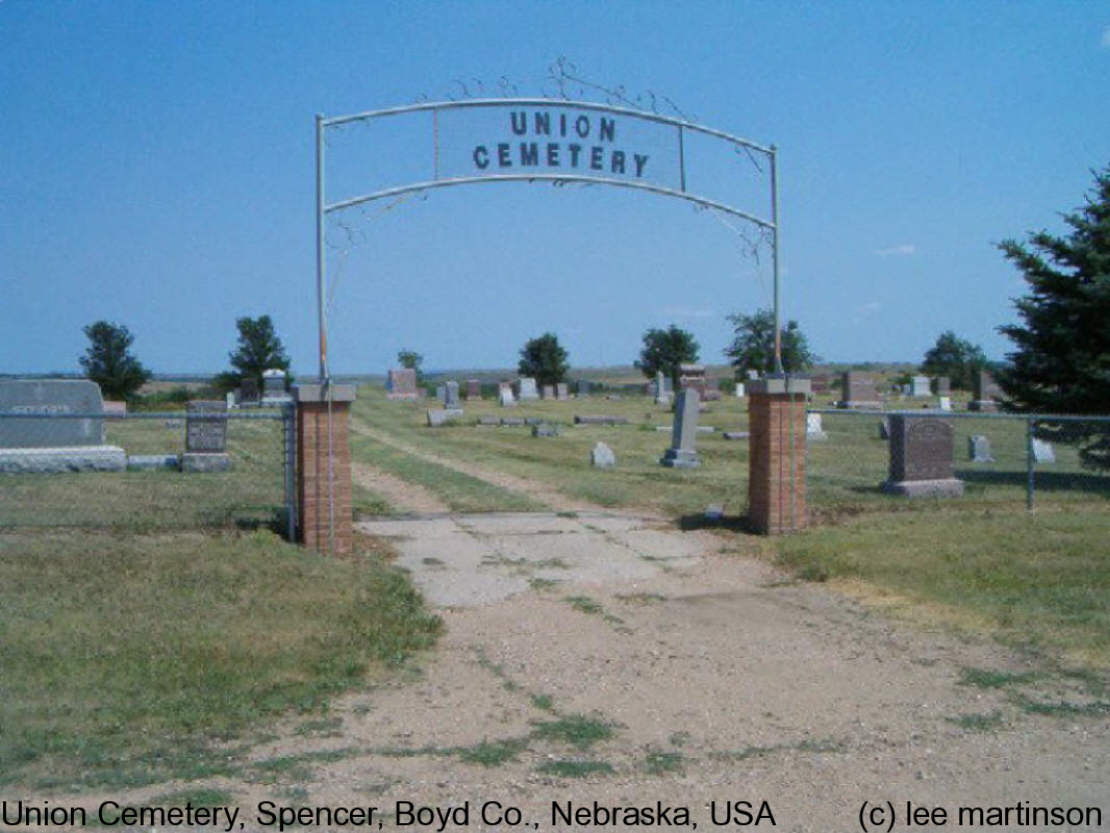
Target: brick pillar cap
[[316, 392], [777, 385]]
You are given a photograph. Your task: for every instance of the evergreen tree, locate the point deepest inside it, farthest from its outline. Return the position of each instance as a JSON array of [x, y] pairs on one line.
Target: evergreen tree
[[108, 360], [1061, 363], [258, 349], [753, 344], [665, 350], [543, 359]]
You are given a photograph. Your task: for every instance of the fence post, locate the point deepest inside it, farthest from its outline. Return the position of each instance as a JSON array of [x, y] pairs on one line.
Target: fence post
[[324, 467], [1029, 461], [776, 455], [289, 437]]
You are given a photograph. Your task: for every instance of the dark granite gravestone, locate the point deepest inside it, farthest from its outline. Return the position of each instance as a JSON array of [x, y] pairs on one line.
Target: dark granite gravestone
[[857, 390], [921, 451], [248, 391], [473, 389], [683, 452], [985, 392], [401, 384], [205, 436], [942, 386]]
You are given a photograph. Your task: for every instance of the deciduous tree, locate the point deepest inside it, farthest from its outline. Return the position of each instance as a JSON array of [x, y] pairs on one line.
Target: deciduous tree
[[543, 359], [753, 344], [665, 350]]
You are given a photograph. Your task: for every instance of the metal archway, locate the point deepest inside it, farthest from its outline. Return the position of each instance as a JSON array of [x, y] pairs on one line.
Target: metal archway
[[481, 154]]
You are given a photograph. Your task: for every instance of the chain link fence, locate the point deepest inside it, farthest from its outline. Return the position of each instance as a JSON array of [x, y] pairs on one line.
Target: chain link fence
[[145, 489], [1000, 457]]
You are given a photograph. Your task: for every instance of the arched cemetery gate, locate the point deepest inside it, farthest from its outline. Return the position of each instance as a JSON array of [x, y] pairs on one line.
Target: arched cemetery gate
[[555, 141]]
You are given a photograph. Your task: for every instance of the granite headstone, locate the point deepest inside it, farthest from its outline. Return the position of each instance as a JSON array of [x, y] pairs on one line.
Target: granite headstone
[[683, 450], [921, 450]]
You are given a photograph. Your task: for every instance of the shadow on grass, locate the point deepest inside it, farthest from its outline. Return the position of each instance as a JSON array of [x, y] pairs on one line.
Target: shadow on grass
[[1048, 481], [690, 523]]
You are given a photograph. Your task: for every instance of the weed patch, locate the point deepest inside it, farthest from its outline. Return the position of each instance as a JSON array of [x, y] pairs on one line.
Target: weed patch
[[576, 769]]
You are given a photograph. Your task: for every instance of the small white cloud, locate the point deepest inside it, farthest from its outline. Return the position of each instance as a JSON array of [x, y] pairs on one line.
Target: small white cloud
[[686, 312], [1106, 38], [901, 250], [865, 311]]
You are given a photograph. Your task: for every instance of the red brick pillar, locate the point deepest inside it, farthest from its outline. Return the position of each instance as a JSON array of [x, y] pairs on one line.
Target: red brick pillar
[[324, 509], [776, 447]]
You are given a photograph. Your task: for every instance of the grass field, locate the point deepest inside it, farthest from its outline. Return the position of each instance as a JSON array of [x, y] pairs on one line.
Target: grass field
[[135, 659], [159, 639], [980, 562]]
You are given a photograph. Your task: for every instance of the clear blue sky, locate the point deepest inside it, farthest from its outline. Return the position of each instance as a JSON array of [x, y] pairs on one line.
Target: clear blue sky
[[156, 169]]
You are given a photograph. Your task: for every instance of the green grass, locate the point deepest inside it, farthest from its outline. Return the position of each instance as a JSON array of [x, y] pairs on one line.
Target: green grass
[[986, 678], [252, 493], [576, 730], [979, 722], [661, 763], [1042, 581], [199, 797], [131, 659], [459, 491], [493, 753]]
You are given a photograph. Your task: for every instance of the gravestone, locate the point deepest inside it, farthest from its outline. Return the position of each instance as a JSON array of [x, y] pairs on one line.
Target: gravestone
[[921, 458], [985, 392], [814, 430], [683, 451], [739, 390], [38, 438], [662, 395], [858, 391], [884, 428], [545, 429], [273, 387], [525, 388], [979, 449], [473, 389], [692, 376], [942, 386], [248, 391], [512, 421], [599, 419], [602, 457], [505, 396], [562, 392], [736, 435], [229, 397], [451, 395], [819, 385], [488, 419], [919, 386], [582, 388], [548, 392], [441, 394], [49, 397], [401, 384], [114, 410], [205, 436], [1043, 452], [443, 416], [946, 403]]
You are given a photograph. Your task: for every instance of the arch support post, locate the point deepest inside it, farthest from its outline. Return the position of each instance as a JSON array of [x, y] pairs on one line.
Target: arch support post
[[324, 467], [777, 455]]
